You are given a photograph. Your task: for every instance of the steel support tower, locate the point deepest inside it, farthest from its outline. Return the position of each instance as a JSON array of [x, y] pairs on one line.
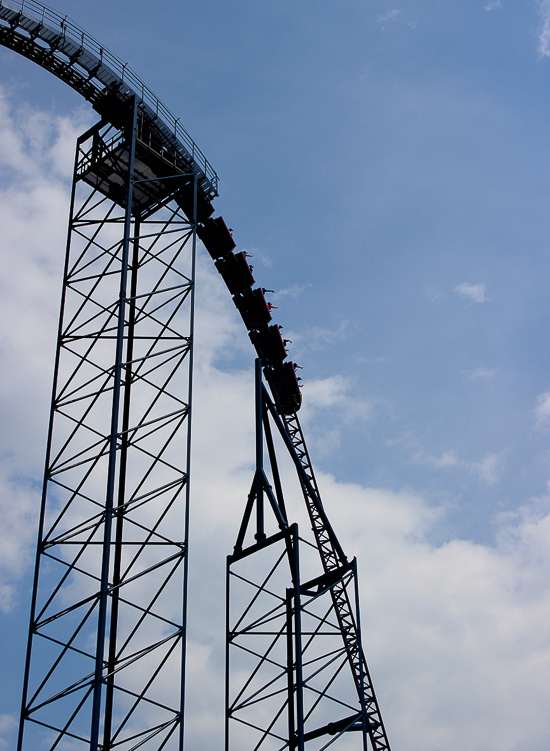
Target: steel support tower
[[106, 650], [296, 674]]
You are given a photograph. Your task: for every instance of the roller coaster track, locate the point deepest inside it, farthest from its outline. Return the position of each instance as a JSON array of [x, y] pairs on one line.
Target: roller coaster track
[[61, 47], [333, 561]]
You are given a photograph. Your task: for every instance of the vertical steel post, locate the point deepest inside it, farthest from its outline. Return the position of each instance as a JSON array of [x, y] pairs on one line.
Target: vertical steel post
[[227, 642], [299, 743], [360, 657], [260, 531], [113, 444], [188, 459], [290, 668], [119, 511]]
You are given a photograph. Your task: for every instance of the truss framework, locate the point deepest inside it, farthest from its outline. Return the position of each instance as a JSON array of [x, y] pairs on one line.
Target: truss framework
[[106, 651], [295, 669]]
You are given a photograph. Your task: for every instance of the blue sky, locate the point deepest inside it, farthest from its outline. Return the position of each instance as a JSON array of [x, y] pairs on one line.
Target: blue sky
[[387, 166]]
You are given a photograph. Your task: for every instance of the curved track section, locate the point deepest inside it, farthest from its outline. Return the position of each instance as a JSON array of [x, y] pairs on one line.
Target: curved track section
[[164, 147], [60, 46]]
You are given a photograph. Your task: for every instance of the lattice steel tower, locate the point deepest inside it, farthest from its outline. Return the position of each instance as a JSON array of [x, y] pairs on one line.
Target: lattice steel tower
[[105, 663]]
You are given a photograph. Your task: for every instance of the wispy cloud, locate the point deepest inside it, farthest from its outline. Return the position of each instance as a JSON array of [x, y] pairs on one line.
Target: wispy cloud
[[293, 290], [395, 15], [476, 292], [331, 405], [336, 392], [544, 31], [493, 5], [542, 409], [447, 459], [418, 454], [474, 375], [319, 337], [390, 15], [488, 468]]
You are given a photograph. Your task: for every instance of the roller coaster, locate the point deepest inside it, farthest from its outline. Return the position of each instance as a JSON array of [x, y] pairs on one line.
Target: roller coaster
[[106, 655]]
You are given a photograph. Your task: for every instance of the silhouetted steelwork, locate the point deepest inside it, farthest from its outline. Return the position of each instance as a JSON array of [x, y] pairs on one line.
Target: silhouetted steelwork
[[106, 652], [295, 669], [107, 637]]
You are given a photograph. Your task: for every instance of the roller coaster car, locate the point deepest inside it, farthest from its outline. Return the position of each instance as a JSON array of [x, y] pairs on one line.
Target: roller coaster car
[[217, 239], [114, 106], [235, 272], [253, 308], [184, 199], [268, 343], [284, 387]]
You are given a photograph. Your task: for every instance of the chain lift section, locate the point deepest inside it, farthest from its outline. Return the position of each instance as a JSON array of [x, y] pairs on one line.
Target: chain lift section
[[106, 649], [295, 669]]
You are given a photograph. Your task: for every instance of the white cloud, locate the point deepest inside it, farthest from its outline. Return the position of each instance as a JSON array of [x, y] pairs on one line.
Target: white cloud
[[418, 454], [544, 31], [36, 158], [447, 459], [542, 409], [482, 372], [456, 630], [475, 292], [319, 337], [330, 406], [433, 294], [396, 15], [390, 15], [8, 723], [293, 290], [17, 527], [488, 468], [336, 392], [493, 5]]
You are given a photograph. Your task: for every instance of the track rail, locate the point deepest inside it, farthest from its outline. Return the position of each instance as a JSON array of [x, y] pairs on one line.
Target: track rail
[[59, 45], [332, 560]]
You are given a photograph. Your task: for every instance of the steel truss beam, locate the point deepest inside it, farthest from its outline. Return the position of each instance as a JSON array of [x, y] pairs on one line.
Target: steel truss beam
[[295, 669], [106, 650]]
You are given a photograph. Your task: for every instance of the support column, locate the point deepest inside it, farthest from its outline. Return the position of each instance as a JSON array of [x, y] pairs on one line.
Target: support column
[[113, 440], [106, 642]]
